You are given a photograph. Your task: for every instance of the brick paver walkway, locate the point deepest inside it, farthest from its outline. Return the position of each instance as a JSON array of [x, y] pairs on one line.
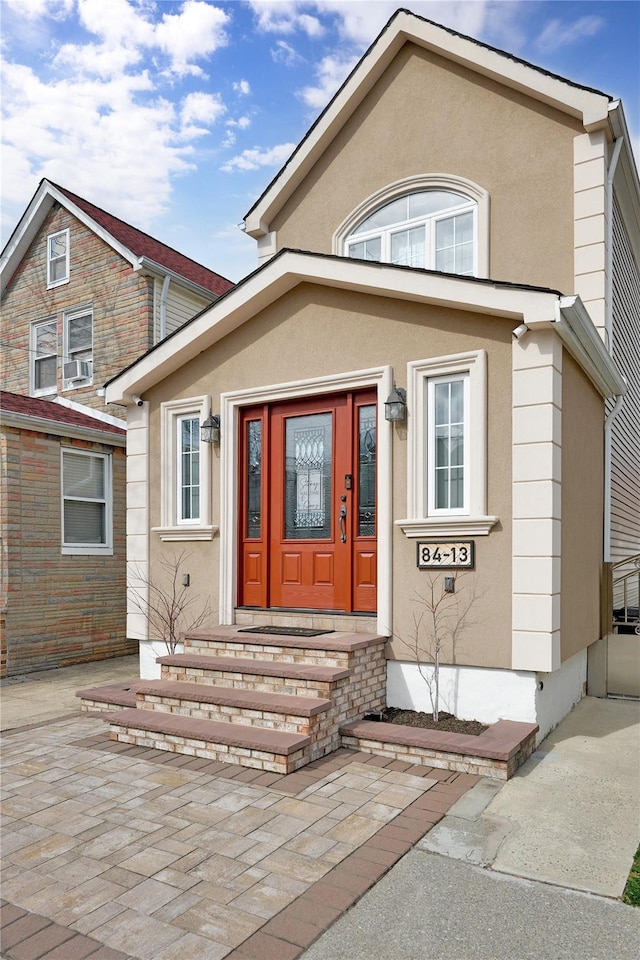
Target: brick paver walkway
[[113, 852]]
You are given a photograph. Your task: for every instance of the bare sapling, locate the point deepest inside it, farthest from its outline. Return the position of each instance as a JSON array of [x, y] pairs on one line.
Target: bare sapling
[[439, 622], [166, 602]]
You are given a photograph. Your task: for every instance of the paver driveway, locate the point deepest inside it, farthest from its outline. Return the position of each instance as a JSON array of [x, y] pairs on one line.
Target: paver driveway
[[113, 851]]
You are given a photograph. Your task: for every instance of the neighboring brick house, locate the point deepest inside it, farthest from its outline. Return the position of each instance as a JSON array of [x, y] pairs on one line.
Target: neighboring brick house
[[83, 295]]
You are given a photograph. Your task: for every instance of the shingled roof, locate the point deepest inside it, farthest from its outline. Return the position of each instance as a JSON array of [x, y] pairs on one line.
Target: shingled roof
[[49, 410], [145, 246]]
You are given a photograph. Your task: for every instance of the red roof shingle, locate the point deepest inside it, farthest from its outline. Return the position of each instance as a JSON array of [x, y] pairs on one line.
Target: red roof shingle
[[142, 245], [48, 410]]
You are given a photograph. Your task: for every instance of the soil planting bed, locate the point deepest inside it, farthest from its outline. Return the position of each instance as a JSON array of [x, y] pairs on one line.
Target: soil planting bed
[[446, 722]]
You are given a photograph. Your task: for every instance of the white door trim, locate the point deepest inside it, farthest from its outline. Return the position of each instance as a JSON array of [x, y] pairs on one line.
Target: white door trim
[[230, 403]]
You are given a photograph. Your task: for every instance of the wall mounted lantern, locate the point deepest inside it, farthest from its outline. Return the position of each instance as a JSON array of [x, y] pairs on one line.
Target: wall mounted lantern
[[210, 429], [395, 408]]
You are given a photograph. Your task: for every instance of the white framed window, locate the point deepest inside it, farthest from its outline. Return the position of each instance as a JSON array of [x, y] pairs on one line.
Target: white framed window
[[57, 258], [43, 355], [448, 454], [78, 348], [447, 447], [87, 526], [188, 468], [435, 229], [185, 490], [438, 221]]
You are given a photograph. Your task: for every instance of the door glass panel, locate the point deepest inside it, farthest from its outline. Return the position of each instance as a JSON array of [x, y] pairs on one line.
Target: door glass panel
[[367, 471], [308, 477], [254, 478]]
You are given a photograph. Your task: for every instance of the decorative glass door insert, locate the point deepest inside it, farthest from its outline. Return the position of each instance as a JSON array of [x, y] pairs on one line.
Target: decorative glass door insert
[[308, 465]]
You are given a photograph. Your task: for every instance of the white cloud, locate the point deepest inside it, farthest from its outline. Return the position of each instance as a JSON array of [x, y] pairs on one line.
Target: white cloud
[[255, 158], [287, 16], [283, 52], [34, 9], [197, 31], [331, 71], [202, 108], [558, 33], [242, 123], [242, 87]]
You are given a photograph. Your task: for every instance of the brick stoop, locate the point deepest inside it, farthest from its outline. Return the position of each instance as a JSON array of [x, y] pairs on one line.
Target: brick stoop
[[112, 696], [272, 703], [497, 753]]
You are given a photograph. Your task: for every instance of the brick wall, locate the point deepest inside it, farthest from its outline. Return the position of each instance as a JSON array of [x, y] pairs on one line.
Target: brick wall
[[59, 609], [121, 299]]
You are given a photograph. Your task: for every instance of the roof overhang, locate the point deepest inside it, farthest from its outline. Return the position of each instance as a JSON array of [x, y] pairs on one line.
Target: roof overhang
[[588, 106], [289, 269], [25, 421]]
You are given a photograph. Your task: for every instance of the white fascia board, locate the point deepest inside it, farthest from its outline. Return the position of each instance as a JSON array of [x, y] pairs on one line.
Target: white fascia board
[[154, 269], [33, 219], [589, 107], [626, 180], [288, 270], [575, 328], [90, 412], [24, 421]]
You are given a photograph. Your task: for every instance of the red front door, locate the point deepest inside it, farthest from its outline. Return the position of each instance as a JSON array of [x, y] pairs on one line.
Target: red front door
[[307, 537]]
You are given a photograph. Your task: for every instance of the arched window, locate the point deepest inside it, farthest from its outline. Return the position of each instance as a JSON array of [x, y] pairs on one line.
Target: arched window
[[435, 229]]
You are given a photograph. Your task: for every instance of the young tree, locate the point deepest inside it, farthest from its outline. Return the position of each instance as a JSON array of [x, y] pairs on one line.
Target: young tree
[[440, 620], [166, 603]]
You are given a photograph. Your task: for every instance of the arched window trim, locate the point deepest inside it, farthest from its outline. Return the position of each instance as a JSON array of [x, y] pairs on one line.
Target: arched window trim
[[435, 181]]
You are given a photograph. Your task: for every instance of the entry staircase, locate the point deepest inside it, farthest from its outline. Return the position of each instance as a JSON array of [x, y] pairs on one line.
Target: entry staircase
[[266, 701]]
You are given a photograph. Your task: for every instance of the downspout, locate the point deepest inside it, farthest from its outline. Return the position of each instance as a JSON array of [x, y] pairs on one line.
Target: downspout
[[163, 306], [613, 413]]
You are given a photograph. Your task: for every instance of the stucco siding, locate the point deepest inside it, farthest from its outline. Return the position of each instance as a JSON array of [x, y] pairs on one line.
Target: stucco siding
[[582, 501], [435, 117], [315, 331]]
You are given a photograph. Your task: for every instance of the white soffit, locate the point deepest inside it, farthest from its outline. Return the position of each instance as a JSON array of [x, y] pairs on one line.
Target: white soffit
[[589, 106], [291, 268]]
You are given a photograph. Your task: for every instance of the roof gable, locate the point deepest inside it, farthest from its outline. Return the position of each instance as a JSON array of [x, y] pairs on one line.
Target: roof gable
[[138, 248], [35, 411], [588, 105]]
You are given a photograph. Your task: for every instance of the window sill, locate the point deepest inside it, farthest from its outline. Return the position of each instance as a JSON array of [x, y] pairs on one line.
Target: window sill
[[88, 551], [447, 526], [185, 533]]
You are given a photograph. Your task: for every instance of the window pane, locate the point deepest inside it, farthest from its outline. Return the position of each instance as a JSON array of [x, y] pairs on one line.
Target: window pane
[[46, 339], [432, 201], [442, 403], [447, 424], [370, 249], [45, 373], [408, 248], [464, 228], [80, 332], [84, 522], [442, 490], [367, 471], [456, 489], [456, 389], [84, 476], [254, 478], [189, 468], [308, 477], [393, 212]]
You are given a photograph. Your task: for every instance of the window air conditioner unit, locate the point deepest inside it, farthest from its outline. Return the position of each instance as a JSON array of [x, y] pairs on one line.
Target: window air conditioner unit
[[76, 370]]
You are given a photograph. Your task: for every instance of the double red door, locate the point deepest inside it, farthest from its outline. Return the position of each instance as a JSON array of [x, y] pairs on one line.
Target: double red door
[[308, 504]]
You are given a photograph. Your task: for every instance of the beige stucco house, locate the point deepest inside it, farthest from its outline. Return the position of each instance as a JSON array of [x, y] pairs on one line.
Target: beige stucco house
[[459, 230]]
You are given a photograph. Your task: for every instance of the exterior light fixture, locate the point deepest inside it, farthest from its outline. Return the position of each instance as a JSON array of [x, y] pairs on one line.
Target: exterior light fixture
[[210, 429], [395, 408]]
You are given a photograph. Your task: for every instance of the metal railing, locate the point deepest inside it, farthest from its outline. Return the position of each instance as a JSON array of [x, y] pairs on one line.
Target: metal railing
[[625, 575]]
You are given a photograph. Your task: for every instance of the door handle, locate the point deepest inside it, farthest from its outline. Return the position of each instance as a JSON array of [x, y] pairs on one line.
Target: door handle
[[342, 520]]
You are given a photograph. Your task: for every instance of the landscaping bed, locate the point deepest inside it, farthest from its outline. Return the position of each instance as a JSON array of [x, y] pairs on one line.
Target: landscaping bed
[[446, 721]]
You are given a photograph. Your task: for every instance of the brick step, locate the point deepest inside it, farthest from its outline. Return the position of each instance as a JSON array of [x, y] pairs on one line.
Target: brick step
[[497, 753], [269, 750], [331, 649], [112, 696], [228, 704], [273, 676]]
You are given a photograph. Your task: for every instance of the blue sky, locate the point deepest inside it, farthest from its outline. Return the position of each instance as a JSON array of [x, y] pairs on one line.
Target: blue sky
[[176, 115]]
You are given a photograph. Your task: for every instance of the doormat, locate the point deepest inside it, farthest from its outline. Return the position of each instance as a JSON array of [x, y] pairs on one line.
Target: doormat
[[287, 631]]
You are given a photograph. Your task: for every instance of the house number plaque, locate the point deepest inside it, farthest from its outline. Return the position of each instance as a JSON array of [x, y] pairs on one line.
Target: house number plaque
[[446, 554]]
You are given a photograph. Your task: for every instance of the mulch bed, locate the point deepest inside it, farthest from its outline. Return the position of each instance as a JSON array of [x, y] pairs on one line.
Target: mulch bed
[[446, 721]]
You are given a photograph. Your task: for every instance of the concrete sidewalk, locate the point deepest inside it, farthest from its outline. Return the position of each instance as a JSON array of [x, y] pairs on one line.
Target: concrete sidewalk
[[570, 818]]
